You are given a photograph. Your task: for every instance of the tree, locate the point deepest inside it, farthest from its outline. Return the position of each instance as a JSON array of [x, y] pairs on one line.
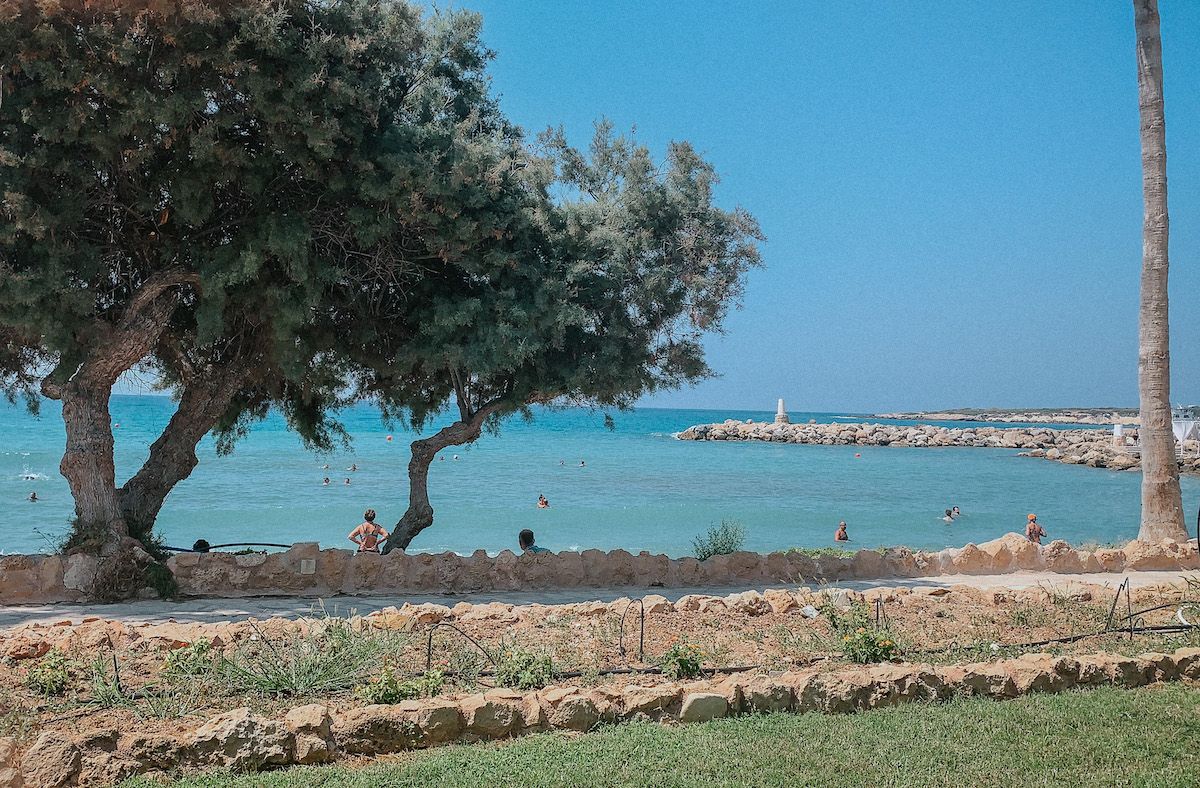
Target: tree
[[599, 297], [204, 189], [1162, 504]]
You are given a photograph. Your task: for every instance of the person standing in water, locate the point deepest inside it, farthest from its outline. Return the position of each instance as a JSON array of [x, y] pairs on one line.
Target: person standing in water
[[368, 536], [841, 535], [1033, 531]]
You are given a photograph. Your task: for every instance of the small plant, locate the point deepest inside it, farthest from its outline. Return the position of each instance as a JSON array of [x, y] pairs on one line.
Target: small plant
[[197, 659], [51, 675], [106, 689], [860, 639], [159, 578], [722, 539], [682, 661], [524, 670], [390, 687], [817, 552], [17, 720]]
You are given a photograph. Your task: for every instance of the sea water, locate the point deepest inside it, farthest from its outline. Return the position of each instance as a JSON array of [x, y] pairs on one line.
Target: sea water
[[638, 488]]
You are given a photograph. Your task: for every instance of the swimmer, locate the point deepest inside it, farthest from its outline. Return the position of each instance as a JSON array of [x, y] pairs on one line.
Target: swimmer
[[955, 512], [347, 481], [326, 482], [841, 535], [561, 462], [543, 503], [456, 456], [949, 516], [33, 497], [324, 467], [581, 463], [353, 467]]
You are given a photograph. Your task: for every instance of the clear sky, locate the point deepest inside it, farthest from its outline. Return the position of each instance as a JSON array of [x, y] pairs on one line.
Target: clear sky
[[951, 191]]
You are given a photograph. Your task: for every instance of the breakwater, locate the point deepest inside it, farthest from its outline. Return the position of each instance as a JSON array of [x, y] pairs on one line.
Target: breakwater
[[1092, 447]]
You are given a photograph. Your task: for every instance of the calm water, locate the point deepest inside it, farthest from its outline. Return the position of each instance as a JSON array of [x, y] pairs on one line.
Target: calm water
[[640, 489]]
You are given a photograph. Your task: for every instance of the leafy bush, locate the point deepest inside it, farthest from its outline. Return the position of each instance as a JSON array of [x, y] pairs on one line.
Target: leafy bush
[[51, 675], [524, 670], [722, 539], [682, 661], [389, 687], [859, 638]]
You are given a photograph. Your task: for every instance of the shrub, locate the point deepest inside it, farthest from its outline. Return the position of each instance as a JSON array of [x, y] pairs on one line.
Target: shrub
[[51, 675], [682, 661], [859, 638], [195, 660], [524, 670], [390, 687], [721, 539]]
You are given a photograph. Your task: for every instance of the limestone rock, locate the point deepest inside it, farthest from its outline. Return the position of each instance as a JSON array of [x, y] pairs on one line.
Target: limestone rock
[[313, 729], [649, 701], [382, 728], [1061, 557], [971, 560], [749, 603], [653, 603], [765, 694], [11, 777], [495, 715], [569, 708], [703, 706], [52, 761], [243, 741], [781, 600], [1143, 556]]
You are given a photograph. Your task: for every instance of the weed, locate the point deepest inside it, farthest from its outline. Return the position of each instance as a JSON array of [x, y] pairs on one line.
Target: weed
[[817, 552], [197, 659], [525, 670], [51, 675], [17, 720], [389, 687], [106, 689], [159, 578], [722, 539], [682, 661], [858, 636], [1028, 616]]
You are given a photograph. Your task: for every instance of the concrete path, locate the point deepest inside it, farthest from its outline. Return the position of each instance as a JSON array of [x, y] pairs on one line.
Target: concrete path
[[211, 610]]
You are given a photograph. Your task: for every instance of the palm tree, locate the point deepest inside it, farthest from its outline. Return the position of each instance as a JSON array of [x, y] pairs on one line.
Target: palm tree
[[1162, 505]]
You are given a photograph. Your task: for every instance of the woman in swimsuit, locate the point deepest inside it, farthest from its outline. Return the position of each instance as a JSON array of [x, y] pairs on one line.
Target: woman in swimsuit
[[368, 536]]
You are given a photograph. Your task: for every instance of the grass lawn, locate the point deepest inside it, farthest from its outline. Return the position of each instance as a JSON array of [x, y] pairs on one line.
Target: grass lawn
[[1101, 737]]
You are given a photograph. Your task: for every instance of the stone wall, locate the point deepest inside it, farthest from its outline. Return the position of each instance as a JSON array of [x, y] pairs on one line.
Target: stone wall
[[243, 741], [307, 570]]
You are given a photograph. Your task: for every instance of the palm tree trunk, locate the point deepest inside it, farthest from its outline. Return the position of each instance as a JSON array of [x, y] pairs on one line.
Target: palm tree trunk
[[1162, 505]]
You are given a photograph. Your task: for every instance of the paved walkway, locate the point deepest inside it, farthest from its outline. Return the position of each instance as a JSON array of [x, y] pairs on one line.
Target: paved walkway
[[210, 610]]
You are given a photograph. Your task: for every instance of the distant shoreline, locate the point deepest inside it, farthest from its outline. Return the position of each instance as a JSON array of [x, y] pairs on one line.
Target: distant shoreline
[[1025, 415]]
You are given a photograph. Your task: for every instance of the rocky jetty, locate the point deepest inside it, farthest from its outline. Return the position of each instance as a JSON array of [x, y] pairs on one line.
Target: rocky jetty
[[1097, 416], [1094, 448]]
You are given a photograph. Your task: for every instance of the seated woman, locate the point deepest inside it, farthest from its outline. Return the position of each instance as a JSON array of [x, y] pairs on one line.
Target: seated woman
[[368, 536]]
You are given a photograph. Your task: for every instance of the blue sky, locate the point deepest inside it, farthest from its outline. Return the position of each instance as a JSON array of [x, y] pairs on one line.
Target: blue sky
[[951, 191]]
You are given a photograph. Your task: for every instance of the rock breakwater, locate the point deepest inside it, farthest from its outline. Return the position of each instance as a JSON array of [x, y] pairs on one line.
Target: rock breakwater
[[1092, 447]]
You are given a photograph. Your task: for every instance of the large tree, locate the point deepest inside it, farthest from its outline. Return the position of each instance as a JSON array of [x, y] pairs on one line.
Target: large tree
[[206, 189], [598, 297], [1162, 504]]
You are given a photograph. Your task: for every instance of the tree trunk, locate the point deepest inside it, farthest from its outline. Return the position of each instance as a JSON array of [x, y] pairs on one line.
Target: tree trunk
[[419, 515], [173, 456], [87, 464], [1162, 505]]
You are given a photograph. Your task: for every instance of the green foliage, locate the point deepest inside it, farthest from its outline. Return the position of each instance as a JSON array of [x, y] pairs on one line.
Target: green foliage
[[106, 685], [17, 720], [722, 539], [817, 552], [860, 639], [51, 675], [682, 661], [523, 669], [332, 656], [389, 686], [197, 659], [159, 578]]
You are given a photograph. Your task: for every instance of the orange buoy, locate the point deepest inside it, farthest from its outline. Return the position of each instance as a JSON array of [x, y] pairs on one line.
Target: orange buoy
[[857, 455], [389, 437]]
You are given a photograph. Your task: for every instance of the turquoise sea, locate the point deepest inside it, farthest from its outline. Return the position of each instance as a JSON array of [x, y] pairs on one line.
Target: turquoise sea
[[640, 489]]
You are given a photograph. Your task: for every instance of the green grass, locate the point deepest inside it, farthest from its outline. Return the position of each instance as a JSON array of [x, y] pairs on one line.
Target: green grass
[[1103, 737]]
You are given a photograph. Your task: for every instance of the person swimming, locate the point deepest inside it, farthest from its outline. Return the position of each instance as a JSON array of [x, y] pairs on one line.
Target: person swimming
[[581, 463], [955, 512], [949, 516], [353, 467], [543, 503], [841, 535], [33, 497], [326, 482], [347, 480]]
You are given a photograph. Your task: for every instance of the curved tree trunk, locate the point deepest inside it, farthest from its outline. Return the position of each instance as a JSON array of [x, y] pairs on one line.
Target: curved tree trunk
[[419, 515], [173, 456], [87, 464], [1162, 505]]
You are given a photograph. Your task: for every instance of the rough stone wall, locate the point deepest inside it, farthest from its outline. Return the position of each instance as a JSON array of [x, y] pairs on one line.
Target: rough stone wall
[[307, 570], [243, 741]]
